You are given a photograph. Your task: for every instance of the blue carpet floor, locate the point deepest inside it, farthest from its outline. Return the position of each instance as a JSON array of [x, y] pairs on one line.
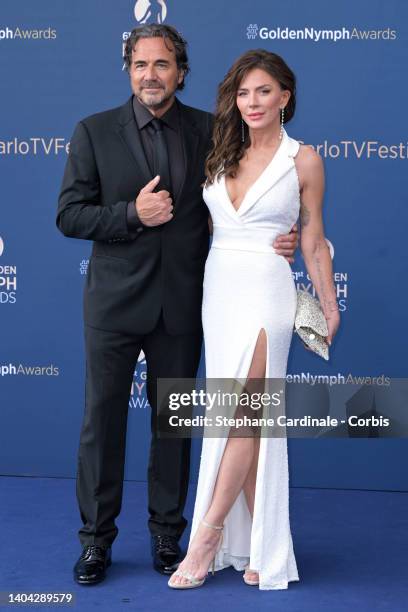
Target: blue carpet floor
[[351, 548]]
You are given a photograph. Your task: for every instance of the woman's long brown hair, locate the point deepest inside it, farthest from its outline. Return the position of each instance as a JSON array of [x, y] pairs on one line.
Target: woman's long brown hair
[[227, 146]]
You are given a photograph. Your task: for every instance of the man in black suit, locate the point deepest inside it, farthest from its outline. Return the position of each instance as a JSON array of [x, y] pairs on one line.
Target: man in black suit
[[132, 185]]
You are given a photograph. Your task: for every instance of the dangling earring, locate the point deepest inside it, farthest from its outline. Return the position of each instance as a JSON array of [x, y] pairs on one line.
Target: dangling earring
[[282, 113], [242, 131]]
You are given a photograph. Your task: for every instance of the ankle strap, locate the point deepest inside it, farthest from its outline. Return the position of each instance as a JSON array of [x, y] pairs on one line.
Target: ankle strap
[[217, 527]]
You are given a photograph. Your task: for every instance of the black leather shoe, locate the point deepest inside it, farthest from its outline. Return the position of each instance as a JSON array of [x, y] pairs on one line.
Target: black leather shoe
[[166, 553], [91, 565]]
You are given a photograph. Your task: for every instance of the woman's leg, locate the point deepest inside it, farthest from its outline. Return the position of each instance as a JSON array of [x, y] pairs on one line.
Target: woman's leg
[[250, 482], [237, 471]]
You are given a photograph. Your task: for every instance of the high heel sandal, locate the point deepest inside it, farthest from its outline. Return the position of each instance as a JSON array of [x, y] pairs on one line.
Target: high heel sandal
[[194, 582], [251, 582]]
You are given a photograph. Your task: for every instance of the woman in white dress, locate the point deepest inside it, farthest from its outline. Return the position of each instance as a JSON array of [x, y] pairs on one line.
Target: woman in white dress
[[259, 181]]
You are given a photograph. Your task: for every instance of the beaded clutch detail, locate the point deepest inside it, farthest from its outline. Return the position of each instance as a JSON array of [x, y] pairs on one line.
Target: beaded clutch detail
[[310, 323]]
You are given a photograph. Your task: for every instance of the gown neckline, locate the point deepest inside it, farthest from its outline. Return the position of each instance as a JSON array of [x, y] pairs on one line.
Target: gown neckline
[[236, 210]]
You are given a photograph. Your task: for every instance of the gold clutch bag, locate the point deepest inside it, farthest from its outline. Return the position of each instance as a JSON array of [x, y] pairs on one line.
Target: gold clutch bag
[[310, 323]]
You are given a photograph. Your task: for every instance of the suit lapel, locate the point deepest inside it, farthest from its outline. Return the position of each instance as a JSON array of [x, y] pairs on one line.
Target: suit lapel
[[129, 133], [190, 136]]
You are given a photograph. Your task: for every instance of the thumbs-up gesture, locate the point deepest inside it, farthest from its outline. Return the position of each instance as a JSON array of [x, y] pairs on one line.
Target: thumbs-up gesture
[[154, 208]]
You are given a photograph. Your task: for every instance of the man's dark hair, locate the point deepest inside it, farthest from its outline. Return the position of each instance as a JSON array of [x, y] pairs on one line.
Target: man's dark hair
[[156, 30]]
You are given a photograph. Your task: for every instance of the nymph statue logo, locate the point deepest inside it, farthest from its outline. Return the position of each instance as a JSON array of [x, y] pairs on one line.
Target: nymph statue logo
[[150, 11]]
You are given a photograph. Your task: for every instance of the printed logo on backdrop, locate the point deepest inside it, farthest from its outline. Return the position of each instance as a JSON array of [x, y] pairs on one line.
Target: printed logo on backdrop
[[339, 378], [303, 281], [22, 369], [252, 31], [19, 33], [34, 145], [138, 397], [317, 35], [342, 149], [150, 11], [83, 267], [8, 279], [365, 150], [146, 11]]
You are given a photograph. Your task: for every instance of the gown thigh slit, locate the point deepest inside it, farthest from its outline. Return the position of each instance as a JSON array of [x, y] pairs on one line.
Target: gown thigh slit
[[254, 384], [252, 387], [248, 288]]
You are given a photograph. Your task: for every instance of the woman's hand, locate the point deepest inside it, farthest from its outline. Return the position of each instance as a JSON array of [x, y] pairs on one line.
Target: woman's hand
[[333, 322]]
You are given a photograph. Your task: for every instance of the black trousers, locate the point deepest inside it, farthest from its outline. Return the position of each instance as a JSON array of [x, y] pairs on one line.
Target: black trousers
[[110, 363]]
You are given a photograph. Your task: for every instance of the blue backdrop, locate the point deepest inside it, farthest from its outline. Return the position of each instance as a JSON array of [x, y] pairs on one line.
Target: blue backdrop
[[62, 61]]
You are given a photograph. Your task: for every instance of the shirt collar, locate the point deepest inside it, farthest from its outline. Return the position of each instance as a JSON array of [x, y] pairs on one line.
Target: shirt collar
[[144, 116]]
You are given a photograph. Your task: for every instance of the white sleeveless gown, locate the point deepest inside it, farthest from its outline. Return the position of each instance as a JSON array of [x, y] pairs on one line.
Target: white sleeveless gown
[[248, 287]]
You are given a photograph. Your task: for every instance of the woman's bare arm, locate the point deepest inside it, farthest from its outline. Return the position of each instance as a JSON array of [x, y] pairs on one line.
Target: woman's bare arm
[[313, 245]]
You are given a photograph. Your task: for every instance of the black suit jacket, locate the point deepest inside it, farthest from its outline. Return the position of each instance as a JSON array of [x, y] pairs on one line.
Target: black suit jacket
[[132, 274]]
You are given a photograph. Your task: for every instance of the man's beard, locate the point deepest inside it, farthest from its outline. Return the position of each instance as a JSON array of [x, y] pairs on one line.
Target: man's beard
[[154, 101], [157, 100]]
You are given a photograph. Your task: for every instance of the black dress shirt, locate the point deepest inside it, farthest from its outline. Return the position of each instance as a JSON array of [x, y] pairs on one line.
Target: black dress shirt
[[172, 134]]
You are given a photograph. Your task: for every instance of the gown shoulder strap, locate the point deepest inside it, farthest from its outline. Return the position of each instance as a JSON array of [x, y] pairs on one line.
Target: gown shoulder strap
[[293, 147]]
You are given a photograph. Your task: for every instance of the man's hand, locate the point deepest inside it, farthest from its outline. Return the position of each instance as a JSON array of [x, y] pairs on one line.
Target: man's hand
[[286, 244], [154, 208]]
